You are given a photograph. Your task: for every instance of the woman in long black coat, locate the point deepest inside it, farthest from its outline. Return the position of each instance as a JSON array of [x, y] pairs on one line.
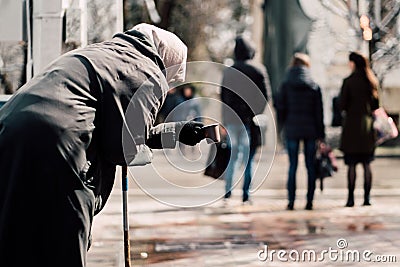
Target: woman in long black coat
[[61, 140], [358, 98]]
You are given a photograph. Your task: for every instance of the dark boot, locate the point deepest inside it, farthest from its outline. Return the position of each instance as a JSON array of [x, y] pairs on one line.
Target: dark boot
[[366, 199], [367, 184], [351, 184], [366, 202], [350, 201]]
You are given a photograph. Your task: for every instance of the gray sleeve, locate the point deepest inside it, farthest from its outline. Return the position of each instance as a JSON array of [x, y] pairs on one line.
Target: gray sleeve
[[162, 136]]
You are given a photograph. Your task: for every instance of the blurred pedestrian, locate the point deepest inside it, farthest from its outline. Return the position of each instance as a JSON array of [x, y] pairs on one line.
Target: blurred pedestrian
[[191, 108], [61, 140], [300, 111], [188, 110], [172, 100], [244, 93], [358, 99], [336, 113]]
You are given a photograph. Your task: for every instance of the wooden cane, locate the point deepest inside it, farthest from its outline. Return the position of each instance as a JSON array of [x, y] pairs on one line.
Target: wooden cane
[[127, 246]]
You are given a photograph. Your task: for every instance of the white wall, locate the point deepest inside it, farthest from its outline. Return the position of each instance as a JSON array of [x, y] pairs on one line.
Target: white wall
[[11, 20]]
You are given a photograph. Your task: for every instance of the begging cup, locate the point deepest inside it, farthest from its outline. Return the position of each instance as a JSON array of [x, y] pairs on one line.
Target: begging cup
[[211, 133]]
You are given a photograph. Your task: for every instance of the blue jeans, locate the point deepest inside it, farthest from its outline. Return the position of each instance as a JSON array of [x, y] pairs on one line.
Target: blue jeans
[[239, 142], [309, 155]]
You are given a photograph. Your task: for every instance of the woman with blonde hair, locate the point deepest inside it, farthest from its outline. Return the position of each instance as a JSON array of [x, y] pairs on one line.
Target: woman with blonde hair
[[300, 112], [358, 99]]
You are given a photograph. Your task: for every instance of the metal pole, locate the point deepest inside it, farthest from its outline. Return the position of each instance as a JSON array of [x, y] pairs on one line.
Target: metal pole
[[29, 59], [127, 246]]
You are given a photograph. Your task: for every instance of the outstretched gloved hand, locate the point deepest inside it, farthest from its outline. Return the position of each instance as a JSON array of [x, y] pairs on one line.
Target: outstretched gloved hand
[[189, 132]]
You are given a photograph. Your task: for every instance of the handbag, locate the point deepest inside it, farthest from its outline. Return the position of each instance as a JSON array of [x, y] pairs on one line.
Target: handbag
[[325, 163], [384, 126], [218, 160], [324, 166]]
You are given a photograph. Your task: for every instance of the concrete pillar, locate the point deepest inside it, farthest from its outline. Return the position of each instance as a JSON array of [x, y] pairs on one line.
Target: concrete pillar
[[47, 32]]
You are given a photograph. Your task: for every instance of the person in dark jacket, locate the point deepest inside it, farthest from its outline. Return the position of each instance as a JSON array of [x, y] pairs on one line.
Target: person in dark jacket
[[65, 131], [358, 99], [244, 93], [172, 100], [191, 106], [300, 111]]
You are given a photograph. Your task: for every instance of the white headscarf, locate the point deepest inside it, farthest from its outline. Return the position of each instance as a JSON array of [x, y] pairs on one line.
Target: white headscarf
[[171, 49]]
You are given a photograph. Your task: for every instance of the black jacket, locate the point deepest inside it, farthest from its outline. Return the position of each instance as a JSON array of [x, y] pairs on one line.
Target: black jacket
[[299, 105], [244, 86]]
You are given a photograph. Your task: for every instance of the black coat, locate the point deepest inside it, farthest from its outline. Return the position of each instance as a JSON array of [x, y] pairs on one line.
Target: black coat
[[299, 106], [358, 103], [244, 90], [60, 142]]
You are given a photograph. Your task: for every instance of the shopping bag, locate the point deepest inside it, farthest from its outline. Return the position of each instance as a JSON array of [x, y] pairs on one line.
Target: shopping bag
[[218, 159], [258, 128], [384, 126]]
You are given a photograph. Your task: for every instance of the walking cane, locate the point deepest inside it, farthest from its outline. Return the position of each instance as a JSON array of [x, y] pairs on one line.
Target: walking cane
[[127, 246]]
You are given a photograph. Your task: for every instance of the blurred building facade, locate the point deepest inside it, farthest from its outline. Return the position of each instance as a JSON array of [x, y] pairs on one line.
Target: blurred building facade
[[35, 32], [327, 31]]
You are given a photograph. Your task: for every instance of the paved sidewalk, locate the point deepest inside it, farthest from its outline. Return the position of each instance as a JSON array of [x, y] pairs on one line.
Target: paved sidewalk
[[233, 234]]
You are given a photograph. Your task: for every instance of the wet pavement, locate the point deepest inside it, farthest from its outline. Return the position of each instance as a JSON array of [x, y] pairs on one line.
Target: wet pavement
[[233, 234]]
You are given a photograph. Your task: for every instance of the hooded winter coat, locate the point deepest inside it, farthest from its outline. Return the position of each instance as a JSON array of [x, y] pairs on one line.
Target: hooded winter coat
[[299, 105], [61, 139], [245, 86]]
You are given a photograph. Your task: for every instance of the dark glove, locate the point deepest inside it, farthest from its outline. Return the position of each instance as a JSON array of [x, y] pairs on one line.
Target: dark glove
[[189, 132]]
